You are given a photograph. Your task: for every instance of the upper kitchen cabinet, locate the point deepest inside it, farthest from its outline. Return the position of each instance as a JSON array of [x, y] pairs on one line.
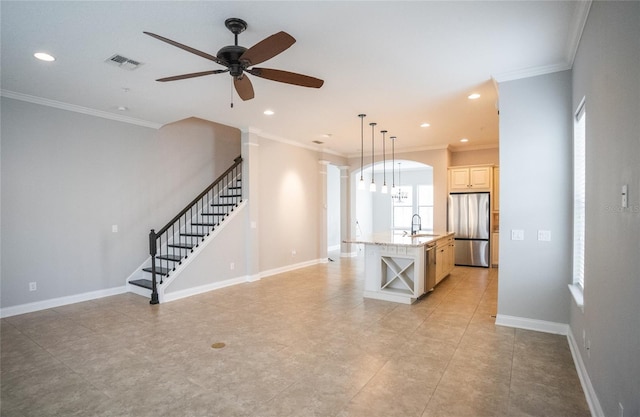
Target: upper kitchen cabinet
[[471, 178]]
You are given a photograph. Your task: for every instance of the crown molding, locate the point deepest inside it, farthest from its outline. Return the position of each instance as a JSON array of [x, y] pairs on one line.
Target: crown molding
[[578, 21], [577, 27], [531, 72], [280, 139], [78, 109]]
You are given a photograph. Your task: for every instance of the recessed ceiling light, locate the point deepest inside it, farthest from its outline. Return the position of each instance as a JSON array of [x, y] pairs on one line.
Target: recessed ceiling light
[[425, 125], [43, 56], [464, 140], [473, 96], [268, 112]]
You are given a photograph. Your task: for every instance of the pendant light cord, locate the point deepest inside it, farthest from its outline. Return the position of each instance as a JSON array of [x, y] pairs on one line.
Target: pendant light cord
[[361, 116]]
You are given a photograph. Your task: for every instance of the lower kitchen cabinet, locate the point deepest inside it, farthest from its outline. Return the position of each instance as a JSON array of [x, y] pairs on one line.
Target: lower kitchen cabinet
[[445, 257], [495, 239]]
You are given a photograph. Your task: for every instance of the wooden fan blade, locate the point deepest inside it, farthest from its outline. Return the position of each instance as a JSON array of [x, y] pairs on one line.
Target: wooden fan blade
[[286, 77], [243, 87], [267, 48], [192, 75], [188, 49]]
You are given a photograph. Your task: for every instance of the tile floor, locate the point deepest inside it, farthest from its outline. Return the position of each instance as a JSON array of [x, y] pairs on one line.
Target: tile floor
[[304, 343]]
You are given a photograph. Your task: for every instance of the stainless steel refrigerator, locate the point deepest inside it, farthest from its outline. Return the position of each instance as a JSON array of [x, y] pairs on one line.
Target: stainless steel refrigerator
[[469, 219]]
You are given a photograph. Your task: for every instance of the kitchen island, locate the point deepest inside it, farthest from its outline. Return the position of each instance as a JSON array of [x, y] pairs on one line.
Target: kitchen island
[[401, 268]]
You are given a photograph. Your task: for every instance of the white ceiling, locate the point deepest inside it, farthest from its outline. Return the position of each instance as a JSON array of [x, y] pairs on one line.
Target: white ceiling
[[401, 63]]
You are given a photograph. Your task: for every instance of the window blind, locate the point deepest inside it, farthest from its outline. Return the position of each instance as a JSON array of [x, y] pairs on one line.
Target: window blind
[[579, 194]]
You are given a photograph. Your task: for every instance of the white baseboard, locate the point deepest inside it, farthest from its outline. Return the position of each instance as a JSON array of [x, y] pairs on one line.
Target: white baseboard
[[348, 254], [291, 267], [61, 301], [585, 381], [177, 295], [531, 324], [78, 298]]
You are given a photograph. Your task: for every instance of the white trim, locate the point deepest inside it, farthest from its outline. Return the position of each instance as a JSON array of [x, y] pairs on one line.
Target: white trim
[[177, 295], [292, 267], [585, 381], [532, 324], [162, 288], [531, 72], [172, 296], [578, 295], [348, 254], [577, 26], [79, 109], [60, 301], [275, 138], [334, 247]]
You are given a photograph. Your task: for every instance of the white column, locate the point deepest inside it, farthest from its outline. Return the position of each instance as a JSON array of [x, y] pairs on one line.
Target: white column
[[346, 250], [322, 213]]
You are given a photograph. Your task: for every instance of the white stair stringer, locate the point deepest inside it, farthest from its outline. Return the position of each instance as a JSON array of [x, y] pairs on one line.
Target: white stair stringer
[[167, 280]]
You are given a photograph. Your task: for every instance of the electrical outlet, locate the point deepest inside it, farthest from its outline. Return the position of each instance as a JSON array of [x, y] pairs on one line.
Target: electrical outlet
[[33, 286], [232, 266], [517, 234], [114, 228], [293, 252]]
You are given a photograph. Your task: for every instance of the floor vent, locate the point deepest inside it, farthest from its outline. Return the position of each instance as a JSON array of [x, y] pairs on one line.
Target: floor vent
[[123, 62], [317, 142]]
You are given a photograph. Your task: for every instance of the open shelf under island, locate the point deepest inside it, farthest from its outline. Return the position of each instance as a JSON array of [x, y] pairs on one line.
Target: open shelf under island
[[402, 268]]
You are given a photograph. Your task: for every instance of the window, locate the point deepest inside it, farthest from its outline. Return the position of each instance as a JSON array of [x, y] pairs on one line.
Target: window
[[425, 206], [422, 204], [579, 198], [403, 210]]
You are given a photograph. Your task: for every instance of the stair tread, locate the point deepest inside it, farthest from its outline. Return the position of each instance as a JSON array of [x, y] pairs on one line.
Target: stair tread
[[181, 245], [222, 204], [170, 257], [213, 214], [159, 270], [230, 195], [191, 234], [204, 224], [144, 283]]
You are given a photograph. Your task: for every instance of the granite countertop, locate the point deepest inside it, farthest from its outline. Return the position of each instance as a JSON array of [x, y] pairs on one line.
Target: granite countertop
[[389, 238]]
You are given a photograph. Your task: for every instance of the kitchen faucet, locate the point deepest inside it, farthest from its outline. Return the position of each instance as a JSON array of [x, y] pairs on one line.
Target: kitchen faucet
[[413, 223]]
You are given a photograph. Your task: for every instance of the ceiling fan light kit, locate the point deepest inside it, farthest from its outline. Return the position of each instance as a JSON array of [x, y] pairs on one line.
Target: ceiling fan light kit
[[237, 59]]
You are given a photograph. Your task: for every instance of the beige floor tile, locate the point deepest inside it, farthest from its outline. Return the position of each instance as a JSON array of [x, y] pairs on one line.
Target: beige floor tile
[[303, 343]]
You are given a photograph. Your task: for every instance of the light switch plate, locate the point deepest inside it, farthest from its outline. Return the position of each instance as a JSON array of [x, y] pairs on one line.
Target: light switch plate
[[517, 234], [544, 235]]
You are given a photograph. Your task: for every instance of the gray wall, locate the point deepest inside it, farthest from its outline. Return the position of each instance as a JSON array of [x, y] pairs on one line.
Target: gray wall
[[68, 177], [535, 194], [607, 72]]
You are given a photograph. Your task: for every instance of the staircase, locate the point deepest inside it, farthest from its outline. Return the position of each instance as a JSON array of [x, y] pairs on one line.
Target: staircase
[[177, 240]]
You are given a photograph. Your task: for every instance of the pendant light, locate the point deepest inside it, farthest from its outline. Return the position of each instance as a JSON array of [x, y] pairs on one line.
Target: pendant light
[[400, 195], [384, 189], [361, 182], [372, 187]]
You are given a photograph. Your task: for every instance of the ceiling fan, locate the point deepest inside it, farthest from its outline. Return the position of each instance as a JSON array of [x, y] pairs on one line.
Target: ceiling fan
[[238, 59]]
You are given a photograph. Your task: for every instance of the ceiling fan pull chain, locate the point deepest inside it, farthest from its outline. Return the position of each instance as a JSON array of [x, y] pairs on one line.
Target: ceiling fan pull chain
[[231, 92]]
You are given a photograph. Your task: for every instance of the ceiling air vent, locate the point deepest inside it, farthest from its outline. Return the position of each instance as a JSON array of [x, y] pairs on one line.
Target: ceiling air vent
[[123, 62]]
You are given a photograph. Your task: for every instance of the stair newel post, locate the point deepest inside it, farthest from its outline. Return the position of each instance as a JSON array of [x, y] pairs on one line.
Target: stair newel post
[[152, 252]]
